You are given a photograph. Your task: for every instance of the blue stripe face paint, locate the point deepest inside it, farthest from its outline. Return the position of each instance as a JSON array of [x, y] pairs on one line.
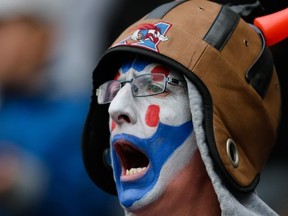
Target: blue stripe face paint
[[157, 148], [138, 65]]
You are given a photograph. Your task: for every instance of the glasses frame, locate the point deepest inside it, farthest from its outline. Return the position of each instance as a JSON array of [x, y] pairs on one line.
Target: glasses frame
[[167, 79]]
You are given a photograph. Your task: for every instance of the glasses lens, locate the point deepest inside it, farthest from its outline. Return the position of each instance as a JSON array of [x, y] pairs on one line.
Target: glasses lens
[[148, 84], [107, 91]]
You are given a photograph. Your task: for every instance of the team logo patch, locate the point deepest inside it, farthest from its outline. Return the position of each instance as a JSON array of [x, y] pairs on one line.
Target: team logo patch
[[148, 36]]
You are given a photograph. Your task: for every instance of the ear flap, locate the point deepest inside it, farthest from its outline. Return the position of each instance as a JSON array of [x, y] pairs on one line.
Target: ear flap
[[95, 148]]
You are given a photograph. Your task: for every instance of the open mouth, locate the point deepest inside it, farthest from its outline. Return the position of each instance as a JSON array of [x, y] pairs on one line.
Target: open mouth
[[134, 162]]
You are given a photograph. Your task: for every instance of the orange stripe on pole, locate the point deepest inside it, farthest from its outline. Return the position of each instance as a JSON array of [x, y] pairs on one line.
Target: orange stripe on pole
[[273, 26]]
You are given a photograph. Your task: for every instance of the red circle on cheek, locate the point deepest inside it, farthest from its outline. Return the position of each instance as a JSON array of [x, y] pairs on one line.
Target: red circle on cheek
[[113, 125], [152, 115]]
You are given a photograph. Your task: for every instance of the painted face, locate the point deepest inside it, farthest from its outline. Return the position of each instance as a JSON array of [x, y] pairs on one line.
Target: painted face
[[150, 136]]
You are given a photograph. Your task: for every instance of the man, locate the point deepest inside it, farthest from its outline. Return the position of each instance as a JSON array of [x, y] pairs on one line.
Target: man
[[194, 104]]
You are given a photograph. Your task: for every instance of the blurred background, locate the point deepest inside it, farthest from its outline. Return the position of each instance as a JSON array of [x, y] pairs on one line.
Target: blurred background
[[49, 49]]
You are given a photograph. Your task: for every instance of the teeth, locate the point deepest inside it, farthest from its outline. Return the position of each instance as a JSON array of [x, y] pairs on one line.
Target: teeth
[[133, 171]]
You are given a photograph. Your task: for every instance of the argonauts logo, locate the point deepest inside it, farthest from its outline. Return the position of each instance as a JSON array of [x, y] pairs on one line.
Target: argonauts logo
[[148, 36]]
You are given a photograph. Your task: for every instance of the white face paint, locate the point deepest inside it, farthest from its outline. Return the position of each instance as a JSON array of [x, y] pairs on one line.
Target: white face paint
[[150, 137]]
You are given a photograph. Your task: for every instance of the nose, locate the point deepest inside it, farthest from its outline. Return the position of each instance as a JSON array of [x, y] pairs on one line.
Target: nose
[[122, 108]]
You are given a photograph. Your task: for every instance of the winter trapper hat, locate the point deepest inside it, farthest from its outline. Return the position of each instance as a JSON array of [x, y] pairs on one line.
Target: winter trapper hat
[[227, 60]]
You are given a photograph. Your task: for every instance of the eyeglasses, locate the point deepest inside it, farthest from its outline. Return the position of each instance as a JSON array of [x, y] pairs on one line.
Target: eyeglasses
[[141, 86]]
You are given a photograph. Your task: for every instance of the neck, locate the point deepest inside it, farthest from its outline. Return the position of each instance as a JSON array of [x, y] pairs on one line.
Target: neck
[[189, 193]]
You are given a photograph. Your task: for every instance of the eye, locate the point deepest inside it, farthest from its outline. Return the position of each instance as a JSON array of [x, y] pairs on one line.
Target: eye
[[154, 88], [148, 84], [113, 89], [114, 92], [135, 89]]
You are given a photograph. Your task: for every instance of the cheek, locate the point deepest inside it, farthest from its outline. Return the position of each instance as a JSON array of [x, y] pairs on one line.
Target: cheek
[[152, 115]]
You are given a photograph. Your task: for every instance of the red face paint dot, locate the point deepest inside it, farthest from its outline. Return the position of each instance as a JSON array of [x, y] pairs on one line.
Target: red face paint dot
[[117, 75], [152, 115], [113, 125]]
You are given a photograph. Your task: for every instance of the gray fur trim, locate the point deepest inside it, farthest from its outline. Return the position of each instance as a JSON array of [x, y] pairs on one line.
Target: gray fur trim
[[246, 205]]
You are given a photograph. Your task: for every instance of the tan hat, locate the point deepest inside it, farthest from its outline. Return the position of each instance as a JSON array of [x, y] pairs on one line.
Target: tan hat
[[228, 62]]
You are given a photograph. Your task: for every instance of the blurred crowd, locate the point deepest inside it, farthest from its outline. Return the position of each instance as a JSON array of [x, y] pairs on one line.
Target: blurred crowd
[[48, 51]]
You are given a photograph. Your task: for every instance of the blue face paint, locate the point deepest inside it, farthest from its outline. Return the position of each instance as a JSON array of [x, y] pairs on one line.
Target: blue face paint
[[158, 148], [137, 64]]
